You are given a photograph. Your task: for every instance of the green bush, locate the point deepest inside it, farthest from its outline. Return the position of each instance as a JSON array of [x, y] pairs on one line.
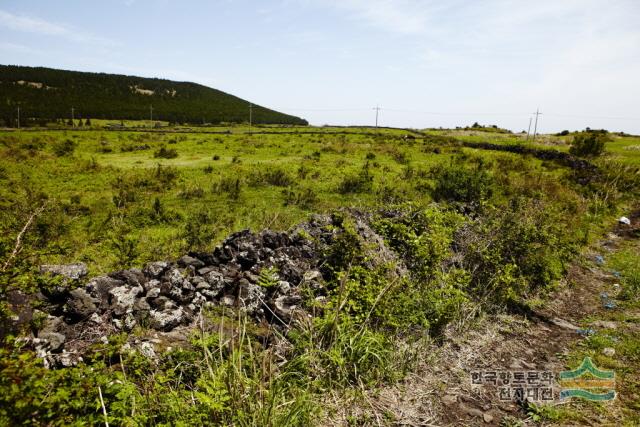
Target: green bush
[[64, 148], [457, 182], [305, 197], [589, 144], [165, 153], [515, 251], [357, 183]]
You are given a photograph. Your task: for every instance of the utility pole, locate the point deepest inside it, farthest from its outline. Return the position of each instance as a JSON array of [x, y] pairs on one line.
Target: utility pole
[[529, 130], [151, 113], [535, 129], [18, 117], [73, 119], [250, 117], [377, 112]]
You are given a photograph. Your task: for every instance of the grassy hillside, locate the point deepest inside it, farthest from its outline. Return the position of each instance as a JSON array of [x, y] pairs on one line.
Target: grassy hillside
[[45, 94]]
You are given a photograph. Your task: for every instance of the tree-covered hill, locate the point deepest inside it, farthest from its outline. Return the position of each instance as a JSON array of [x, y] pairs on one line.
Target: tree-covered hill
[[50, 94]]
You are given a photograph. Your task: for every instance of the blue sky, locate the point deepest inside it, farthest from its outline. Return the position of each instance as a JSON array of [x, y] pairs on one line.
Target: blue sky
[[426, 63]]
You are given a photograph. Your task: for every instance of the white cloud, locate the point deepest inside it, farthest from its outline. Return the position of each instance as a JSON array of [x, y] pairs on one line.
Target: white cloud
[[35, 25], [395, 16], [18, 48]]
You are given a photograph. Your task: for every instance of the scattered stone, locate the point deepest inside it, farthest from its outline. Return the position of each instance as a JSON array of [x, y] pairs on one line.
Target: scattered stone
[[99, 287], [250, 296], [609, 351], [68, 271], [123, 298], [228, 300], [54, 339], [564, 324], [487, 417], [153, 293], [605, 324], [95, 318], [285, 306], [283, 287], [624, 220], [146, 349], [216, 281], [189, 261], [167, 319], [155, 269], [81, 304], [312, 275]]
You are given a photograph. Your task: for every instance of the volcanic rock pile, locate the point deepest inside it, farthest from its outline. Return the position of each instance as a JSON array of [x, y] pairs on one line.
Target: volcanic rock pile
[[165, 295]]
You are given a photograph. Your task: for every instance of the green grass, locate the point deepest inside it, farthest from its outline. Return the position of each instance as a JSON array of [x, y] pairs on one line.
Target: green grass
[[480, 227]]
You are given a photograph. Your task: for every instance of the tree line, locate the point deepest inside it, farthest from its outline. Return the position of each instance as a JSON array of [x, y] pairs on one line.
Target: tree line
[[44, 95]]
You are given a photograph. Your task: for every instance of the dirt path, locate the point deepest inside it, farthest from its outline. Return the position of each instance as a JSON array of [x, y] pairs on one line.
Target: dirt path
[[441, 392]]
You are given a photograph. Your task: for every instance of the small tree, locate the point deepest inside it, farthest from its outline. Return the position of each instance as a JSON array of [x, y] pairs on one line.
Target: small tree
[[588, 144], [87, 122]]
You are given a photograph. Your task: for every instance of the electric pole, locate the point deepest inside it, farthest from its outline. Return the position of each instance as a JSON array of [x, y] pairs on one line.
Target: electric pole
[[151, 113], [250, 117], [535, 129], [377, 112], [73, 122], [18, 117], [529, 130]]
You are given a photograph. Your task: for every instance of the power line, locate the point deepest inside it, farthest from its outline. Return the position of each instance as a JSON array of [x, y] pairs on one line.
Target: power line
[[320, 109], [591, 117], [535, 129], [377, 108], [442, 113]]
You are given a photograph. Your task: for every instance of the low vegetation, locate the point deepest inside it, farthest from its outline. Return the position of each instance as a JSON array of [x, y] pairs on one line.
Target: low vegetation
[[464, 231]]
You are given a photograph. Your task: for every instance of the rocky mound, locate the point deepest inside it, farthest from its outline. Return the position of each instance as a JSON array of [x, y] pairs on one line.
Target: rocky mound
[[264, 275]]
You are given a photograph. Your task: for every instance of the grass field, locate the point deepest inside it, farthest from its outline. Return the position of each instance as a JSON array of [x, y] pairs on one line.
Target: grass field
[[484, 231], [281, 179]]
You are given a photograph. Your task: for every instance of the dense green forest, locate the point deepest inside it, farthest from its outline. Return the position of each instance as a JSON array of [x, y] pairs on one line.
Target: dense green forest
[[45, 94]]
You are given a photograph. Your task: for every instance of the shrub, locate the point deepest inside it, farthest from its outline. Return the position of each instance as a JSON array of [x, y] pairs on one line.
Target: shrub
[[230, 185], [459, 183], [278, 177], [199, 230], [305, 198], [166, 175], [400, 156], [589, 144], [358, 183], [64, 148], [124, 247], [165, 153], [194, 192], [128, 148], [514, 251]]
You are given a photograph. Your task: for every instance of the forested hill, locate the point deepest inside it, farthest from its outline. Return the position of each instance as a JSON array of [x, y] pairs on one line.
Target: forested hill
[[50, 94]]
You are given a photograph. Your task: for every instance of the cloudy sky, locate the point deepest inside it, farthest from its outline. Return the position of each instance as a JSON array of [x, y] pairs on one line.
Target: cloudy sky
[[426, 63]]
